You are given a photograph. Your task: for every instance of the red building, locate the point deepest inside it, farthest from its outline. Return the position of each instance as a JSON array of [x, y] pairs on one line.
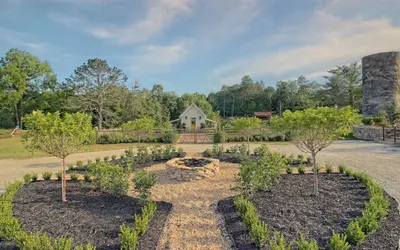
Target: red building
[[263, 115]]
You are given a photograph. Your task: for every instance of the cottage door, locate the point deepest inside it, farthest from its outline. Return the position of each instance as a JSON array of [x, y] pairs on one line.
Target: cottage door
[[193, 123]]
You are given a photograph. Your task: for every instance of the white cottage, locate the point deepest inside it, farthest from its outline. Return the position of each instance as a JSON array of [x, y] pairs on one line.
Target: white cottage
[[193, 118]]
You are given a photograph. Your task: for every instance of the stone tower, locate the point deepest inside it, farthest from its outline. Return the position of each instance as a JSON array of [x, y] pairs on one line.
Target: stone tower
[[381, 82]]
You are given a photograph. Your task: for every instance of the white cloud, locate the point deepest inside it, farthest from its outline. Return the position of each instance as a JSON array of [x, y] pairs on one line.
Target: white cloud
[[23, 40], [326, 40], [156, 58], [159, 15]]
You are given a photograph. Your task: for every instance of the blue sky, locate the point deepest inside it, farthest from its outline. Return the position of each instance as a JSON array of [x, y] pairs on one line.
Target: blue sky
[[199, 45]]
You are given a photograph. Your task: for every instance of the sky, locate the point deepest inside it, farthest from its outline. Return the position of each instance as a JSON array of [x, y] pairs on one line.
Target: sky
[[201, 45]]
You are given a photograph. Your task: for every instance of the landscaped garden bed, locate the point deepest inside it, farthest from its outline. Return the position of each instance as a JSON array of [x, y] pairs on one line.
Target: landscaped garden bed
[[291, 208], [88, 216]]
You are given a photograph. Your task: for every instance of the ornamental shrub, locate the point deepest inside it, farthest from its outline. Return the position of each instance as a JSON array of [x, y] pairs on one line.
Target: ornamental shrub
[[87, 247], [367, 121], [328, 168], [301, 169], [110, 178], [303, 244], [368, 222], [141, 223], [87, 177], [260, 174], [300, 157], [143, 182], [106, 158], [181, 153], [379, 121], [342, 168], [289, 169], [309, 159], [63, 243], [98, 160], [354, 233], [263, 150], [349, 172], [73, 176], [259, 233], [128, 237], [278, 242], [70, 166], [113, 157], [170, 137], [79, 164], [27, 178], [338, 242], [59, 175], [217, 150], [47, 175], [34, 176]]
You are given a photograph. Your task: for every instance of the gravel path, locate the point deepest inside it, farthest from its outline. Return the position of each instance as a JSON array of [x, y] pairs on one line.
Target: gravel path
[[194, 222]]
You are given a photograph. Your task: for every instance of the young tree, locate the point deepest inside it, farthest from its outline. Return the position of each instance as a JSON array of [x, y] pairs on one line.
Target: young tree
[[246, 127], [94, 79], [57, 136], [140, 126], [21, 72], [312, 130]]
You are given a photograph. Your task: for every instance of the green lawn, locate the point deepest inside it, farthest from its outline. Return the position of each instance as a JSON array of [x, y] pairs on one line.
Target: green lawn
[[12, 148]]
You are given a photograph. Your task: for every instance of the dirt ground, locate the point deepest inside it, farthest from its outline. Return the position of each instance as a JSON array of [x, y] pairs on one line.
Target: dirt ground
[[194, 223]]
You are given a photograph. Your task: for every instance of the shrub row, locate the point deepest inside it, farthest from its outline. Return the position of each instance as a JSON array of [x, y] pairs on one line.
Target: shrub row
[[378, 121], [129, 237], [155, 153], [169, 137], [259, 232], [10, 229]]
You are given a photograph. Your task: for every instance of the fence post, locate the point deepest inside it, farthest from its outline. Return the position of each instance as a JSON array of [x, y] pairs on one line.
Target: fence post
[[383, 133], [97, 131], [394, 134]]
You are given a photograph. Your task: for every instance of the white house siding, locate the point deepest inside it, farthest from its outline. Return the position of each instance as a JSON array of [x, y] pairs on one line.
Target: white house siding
[[192, 112]]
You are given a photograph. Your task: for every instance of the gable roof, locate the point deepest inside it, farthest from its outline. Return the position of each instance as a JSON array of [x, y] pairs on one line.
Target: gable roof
[[195, 106], [263, 114]]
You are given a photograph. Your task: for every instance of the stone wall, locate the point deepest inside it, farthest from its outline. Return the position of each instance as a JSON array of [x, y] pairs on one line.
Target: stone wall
[[381, 82], [375, 133]]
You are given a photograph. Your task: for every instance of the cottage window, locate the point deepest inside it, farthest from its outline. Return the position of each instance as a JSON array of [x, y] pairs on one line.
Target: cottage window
[[199, 117], [185, 117]]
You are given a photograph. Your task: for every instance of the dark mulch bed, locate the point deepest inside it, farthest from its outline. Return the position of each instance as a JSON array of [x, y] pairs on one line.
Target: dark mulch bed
[[89, 215], [290, 208]]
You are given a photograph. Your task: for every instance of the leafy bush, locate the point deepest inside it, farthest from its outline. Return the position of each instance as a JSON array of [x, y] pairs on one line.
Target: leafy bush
[[219, 137], [342, 168], [349, 172], [367, 121], [278, 242], [128, 237], [259, 233], [63, 243], [300, 157], [368, 222], [301, 169], [289, 170], [260, 174], [98, 160], [73, 176], [79, 164], [338, 242], [122, 156], [303, 244], [110, 178], [354, 233], [181, 153], [87, 247], [309, 159], [217, 150], [87, 177], [328, 168], [106, 158], [378, 120], [113, 157], [47, 175], [59, 175], [34, 176], [143, 182], [207, 153], [89, 162], [70, 166], [27, 178], [263, 150], [170, 137]]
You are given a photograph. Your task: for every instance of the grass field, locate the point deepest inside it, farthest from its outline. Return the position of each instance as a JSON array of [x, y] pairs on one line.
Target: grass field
[[12, 148]]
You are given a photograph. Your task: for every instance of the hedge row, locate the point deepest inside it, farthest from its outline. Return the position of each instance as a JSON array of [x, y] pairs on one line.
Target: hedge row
[[129, 237], [169, 137], [10, 229], [375, 209]]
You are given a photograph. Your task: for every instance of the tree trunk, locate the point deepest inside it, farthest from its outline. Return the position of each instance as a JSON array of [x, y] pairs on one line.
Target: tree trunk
[[64, 183], [248, 145], [280, 108], [16, 114], [100, 121], [21, 113], [316, 191]]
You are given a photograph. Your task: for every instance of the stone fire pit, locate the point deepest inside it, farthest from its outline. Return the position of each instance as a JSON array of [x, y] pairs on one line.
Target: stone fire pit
[[191, 168]]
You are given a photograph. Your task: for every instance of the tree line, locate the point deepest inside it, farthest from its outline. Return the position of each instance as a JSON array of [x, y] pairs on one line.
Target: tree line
[[105, 92], [342, 88]]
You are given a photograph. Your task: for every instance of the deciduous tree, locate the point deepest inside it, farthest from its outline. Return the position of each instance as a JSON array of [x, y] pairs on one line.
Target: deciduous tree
[[57, 136], [140, 126], [312, 130], [246, 127]]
